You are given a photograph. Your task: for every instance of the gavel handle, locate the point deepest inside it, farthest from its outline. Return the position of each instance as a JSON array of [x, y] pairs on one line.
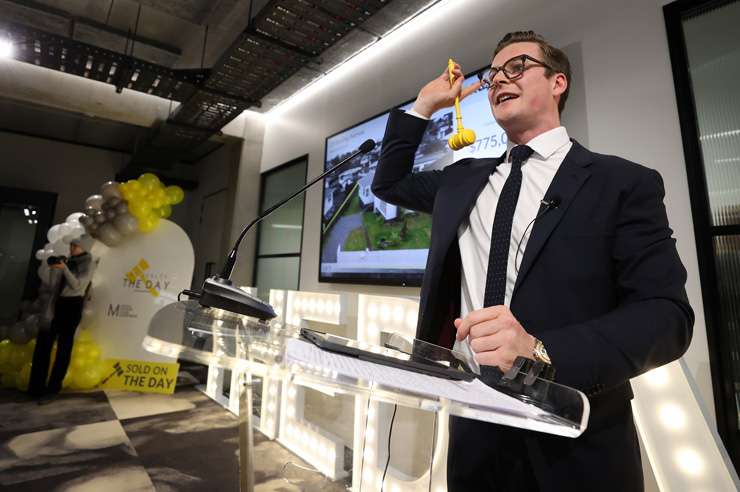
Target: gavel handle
[[458, 114]]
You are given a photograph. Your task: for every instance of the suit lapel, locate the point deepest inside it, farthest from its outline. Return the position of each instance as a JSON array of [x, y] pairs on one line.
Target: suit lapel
[[568, 180], [459, 198]]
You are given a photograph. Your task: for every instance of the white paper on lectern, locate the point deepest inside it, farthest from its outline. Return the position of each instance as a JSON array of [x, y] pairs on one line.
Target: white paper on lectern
[[473, 393]]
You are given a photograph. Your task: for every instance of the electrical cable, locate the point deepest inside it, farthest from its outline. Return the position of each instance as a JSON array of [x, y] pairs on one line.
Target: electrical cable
[[388, 459]]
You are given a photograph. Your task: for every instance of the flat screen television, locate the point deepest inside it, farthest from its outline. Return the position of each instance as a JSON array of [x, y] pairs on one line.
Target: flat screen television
[[366, 240]]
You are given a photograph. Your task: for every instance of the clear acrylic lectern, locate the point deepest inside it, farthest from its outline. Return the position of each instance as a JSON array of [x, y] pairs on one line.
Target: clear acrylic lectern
[[188, 331]]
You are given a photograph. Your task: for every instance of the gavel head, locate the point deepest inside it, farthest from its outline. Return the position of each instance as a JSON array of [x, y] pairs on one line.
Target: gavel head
[[461, 139]]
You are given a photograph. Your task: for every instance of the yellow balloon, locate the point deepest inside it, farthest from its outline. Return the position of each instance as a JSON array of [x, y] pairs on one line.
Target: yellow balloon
[[164, 211], [84, 336], [23, 377], [88, 378], [94, 352], [139, 209], [80, 348], [149, 181], [148, 223], [67, 381], [17, 357], [175, 194], [7, 380], [157, 201], [78, 363], [134, 186]]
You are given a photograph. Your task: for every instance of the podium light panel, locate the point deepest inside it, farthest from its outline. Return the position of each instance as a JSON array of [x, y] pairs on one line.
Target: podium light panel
[[303, 437], [684, 451], [393, 315]]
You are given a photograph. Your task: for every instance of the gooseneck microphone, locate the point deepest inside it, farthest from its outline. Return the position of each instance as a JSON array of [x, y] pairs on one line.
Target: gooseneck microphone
[[218, 291], [545, 206]]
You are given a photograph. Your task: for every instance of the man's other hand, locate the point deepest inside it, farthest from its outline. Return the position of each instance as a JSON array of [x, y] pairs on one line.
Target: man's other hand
[[496, 336], [438, 94]]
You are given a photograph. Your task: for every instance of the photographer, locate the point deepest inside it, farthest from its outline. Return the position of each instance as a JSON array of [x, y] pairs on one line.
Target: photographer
[[77, 272]]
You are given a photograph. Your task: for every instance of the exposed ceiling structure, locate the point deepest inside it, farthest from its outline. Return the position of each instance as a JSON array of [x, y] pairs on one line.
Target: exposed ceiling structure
[[217, 58]]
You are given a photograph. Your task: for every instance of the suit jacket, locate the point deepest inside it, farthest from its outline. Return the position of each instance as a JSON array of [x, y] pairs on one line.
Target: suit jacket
[[600, 282]]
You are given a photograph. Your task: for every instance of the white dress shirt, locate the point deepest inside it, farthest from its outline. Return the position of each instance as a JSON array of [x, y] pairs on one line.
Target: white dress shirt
[[474, 234]]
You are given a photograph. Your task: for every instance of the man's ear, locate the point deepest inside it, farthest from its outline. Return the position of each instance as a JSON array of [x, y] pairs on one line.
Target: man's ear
[[560, 84]]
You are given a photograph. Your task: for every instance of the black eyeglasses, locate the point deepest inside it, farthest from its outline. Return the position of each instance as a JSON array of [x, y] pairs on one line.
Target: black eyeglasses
[[512, 69]]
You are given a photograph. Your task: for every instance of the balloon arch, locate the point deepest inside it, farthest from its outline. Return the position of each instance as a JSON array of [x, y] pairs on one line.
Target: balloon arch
[[119, 211]]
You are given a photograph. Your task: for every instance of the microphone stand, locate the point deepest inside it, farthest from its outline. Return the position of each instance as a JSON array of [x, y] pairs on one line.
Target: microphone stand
[[219, 292]]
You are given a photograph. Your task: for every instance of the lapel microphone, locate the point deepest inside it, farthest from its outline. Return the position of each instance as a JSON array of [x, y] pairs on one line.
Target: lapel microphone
[[545, 206]]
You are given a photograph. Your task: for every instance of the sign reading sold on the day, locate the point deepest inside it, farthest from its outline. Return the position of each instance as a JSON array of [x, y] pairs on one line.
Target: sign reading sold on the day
[[137, 375]]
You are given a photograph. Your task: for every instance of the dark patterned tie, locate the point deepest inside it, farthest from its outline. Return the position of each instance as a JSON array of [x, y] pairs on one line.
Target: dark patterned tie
[[498, 257]]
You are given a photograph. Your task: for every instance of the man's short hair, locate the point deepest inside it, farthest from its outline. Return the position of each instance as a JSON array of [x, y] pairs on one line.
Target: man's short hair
[[553, 56]]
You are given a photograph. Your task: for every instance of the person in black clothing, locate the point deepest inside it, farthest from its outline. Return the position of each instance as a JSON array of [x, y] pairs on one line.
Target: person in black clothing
[[77, 272]]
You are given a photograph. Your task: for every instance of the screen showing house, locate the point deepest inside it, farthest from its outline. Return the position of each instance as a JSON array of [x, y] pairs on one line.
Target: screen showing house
[[365, 239]]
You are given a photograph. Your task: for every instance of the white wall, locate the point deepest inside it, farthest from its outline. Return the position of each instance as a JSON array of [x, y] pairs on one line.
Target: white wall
[[627, 92]]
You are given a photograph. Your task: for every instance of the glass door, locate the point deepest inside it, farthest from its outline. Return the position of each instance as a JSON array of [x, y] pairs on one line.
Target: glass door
[[280, 236]]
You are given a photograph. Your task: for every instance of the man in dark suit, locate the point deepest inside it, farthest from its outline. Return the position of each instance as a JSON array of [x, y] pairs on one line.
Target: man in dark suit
[[597, 288]]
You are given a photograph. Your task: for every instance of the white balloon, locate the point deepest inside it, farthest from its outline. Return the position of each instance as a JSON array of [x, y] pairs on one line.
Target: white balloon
[[54, 233], [78, 230], [41, 254], [60, 248], [74, 218]]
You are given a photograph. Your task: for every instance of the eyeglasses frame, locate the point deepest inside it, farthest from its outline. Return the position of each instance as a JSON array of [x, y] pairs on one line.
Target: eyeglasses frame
[[486, 84]]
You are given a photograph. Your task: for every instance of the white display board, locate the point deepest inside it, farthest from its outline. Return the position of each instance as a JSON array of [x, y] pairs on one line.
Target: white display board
[[132, 282]]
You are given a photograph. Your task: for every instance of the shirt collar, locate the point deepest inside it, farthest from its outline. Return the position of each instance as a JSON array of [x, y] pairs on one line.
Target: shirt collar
[[544, 144]]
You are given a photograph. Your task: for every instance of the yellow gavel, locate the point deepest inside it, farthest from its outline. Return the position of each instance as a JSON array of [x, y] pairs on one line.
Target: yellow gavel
[[464, 136]]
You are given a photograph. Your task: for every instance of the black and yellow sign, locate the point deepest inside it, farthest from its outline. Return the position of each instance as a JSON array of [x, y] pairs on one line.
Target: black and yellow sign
[[139, 375]]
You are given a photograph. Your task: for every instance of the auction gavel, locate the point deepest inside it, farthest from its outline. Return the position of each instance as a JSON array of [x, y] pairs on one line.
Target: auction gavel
[[464, 136]]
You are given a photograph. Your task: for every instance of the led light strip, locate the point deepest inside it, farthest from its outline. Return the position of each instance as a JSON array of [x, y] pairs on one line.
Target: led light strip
[[432, 12]]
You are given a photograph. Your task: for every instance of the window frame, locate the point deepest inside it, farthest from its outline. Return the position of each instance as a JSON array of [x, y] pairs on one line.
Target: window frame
[[726, 411]]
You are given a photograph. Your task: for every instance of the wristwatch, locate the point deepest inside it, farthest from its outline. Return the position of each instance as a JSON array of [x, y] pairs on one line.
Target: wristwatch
[[539, 352]]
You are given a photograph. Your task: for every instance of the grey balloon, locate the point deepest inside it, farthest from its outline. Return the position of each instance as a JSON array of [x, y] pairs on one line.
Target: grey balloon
[[121, 208], [126, 223], [90, 211], [99, 217], [113, 202], [109, 189], [94, 201], [86, 220], [18, 334], [109, 235], [110, 213]]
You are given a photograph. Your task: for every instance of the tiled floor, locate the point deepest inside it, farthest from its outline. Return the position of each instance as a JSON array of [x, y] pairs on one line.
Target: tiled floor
[[115, 441]]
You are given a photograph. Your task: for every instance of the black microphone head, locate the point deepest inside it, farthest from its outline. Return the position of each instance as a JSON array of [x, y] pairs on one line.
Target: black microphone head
[[367, 145]]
